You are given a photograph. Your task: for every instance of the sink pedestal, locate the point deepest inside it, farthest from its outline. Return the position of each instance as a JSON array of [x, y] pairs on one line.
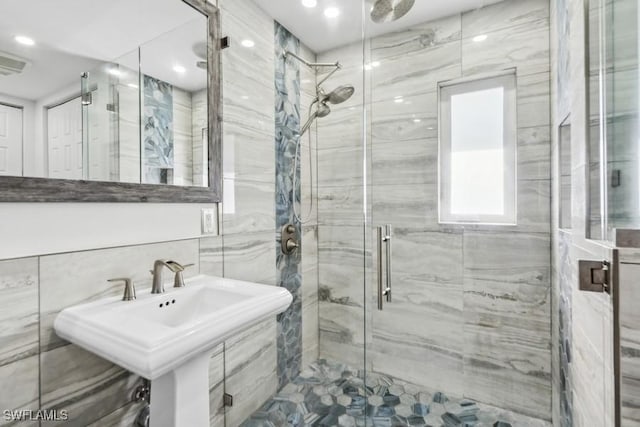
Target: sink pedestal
[[180, 398]]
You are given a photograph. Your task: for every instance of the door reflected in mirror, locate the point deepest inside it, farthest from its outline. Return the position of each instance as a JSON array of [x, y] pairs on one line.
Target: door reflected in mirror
[[115, 91]]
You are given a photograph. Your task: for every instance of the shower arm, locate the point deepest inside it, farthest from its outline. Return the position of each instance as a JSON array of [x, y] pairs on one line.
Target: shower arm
[[336, 65], [312, 64]]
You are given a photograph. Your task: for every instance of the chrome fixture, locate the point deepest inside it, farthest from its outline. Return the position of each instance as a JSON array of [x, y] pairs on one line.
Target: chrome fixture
[[129, 289], [336, 96], [142, 393], [321, 101], [390, 10], [178, 281], [142, 420], [288, 241], [384, 290], [158, 287], [594, 276]]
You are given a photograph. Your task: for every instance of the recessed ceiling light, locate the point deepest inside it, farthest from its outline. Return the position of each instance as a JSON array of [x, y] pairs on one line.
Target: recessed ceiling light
[[132, 85], [248, 43], [398, 100], [309, 3], [480, 38], [179, 69], [24, 40], [416, 120], [331, 12], [375, 64]]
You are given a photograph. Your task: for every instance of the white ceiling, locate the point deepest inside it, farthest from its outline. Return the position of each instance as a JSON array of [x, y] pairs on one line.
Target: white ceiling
[[321, 34], [73, 36]]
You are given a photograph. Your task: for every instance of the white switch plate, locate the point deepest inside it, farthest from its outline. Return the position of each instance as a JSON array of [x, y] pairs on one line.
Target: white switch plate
[[209, 222]]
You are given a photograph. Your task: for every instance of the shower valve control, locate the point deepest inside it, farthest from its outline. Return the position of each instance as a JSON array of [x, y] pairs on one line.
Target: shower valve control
[[289, 242]]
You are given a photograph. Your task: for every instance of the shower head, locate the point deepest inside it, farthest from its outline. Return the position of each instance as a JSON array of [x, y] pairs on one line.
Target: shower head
[[390, 10], [338, 95], [322, 110]]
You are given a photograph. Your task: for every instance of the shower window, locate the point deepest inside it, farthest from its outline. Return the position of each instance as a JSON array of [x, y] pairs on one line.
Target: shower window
[[478, 151]]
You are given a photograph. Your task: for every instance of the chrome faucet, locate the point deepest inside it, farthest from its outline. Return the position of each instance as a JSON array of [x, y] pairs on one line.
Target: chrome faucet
[[158, 286]]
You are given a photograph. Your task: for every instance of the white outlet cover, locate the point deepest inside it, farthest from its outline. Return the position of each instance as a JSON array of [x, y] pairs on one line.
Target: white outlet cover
[[209, 223]]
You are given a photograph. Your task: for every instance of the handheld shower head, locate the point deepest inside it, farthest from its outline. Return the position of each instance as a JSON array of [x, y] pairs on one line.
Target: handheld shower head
[[322, 110], [338, 95]]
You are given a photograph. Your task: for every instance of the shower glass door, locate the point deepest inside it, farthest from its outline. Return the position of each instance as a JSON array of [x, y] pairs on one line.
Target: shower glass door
[[415, 301], [458, 293]]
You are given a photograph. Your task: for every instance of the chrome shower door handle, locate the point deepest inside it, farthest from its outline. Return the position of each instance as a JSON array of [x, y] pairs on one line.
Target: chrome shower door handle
[[379, 264], [384, 286], [387, 240]]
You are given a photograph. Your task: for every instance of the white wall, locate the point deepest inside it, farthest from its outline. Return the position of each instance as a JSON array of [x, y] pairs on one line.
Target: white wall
[[28, 229]]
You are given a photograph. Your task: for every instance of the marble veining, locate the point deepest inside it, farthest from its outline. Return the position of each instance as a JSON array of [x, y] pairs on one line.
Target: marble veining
[[564, 338], [483, 291]]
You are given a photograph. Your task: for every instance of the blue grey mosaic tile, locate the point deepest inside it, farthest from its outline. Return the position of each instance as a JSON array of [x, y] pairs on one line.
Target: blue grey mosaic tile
[[287, 124], [333, 394], [158, 128]]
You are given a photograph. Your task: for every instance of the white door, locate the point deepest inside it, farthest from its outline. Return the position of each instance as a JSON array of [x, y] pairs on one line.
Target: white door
[[64, 139], [10, 140]]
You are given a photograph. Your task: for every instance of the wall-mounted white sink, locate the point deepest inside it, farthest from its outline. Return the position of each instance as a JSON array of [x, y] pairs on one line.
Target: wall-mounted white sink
[[168, 338]]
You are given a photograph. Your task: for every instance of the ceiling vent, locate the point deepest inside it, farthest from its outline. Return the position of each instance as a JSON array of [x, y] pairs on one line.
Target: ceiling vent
[[10, 64]]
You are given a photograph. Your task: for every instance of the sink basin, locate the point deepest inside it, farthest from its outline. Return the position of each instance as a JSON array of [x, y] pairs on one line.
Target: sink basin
[[168, 338]]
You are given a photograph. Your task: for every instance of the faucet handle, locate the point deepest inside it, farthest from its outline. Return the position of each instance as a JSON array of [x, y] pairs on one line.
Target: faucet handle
[[178, 282], [129, 288]]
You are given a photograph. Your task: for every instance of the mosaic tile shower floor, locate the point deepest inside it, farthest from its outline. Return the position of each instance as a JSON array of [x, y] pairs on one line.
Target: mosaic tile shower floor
[[332, 394]]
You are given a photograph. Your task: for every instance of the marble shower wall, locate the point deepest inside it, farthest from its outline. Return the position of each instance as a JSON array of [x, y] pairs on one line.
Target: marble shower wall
[[629, 337], [561, 279], [471, 308], [582, 321], [255, 191]]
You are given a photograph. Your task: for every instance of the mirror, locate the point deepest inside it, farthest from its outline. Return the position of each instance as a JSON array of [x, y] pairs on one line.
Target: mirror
[[111, 96], [564, 172], [596, 127]]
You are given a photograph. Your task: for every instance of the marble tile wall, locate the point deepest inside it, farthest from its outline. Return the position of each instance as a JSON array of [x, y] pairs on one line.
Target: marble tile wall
[[582, 321], [629, 337], [471, 308], [341, 245], [19, 335], [183, 137]]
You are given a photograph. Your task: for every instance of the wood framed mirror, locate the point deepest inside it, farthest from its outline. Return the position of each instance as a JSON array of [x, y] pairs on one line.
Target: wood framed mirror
[[110, 101]]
